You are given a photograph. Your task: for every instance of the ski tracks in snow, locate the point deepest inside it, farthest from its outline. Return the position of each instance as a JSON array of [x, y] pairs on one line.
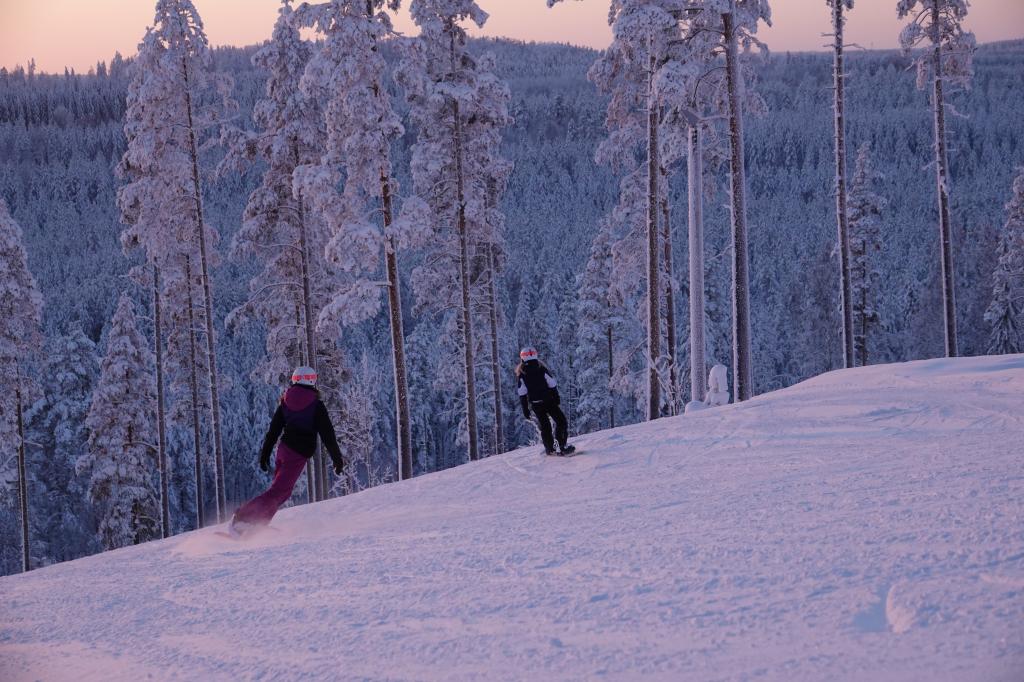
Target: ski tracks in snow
[[869, 532]]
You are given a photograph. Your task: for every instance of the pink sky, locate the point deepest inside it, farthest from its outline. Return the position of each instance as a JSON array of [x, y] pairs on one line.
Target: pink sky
[[78, 33]]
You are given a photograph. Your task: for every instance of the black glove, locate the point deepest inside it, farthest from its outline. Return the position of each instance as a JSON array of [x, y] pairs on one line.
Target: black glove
[[555, 398], [526, 414], [265, 462], [339, 466]]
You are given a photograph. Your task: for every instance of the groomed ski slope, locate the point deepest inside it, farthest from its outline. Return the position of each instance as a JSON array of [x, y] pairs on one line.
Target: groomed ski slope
[[864, 525]]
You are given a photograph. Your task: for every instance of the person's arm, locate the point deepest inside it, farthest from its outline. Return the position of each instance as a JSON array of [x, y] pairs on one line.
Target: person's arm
[[325, 429], [552, 386], [523, 400], [273, 433]]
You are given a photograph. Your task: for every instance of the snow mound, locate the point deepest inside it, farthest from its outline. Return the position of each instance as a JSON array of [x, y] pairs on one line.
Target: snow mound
[[865, 524]]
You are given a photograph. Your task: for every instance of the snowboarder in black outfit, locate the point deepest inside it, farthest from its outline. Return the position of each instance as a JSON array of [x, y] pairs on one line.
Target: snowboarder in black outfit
[[538, 389]]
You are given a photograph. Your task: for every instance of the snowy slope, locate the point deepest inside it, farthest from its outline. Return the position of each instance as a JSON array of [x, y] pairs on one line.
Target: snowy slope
[[864, 525]]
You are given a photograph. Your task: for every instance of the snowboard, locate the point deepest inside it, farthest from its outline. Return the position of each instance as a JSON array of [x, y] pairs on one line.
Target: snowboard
[[252, 532], [572, 453]]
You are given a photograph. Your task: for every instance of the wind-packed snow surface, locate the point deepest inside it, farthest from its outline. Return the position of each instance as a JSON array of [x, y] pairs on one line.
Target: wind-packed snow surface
[[864, 525]]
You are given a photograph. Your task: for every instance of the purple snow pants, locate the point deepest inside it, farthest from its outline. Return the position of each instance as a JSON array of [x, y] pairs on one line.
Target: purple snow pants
[[288, 466]]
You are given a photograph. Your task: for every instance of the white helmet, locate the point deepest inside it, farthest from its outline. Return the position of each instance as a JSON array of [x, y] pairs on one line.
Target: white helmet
[[304, 376], [528, 353]]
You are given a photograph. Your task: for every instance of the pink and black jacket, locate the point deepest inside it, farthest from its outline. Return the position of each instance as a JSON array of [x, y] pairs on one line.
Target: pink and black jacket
[[301, 416]]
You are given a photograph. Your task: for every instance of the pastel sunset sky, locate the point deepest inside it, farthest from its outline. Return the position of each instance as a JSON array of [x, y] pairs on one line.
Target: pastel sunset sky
[[78, 33]]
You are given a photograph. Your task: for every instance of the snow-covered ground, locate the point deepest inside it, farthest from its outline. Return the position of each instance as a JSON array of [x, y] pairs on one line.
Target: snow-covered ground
[[864, 525]]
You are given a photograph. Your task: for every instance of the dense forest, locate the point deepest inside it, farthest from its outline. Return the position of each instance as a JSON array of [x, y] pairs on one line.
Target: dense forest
[[62, 137]]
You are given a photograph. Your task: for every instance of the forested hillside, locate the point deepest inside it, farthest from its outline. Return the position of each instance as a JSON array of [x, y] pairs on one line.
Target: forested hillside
[[61, 137]]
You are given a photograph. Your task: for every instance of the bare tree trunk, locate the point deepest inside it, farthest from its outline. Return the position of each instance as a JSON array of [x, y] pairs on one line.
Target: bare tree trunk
[[194, 386], [499, 431], [492, 310], [942, 180], [26, 545], [842, 218], [695, 182], [204, 268], [863, 340], [467, 322], [670, 303], [311, 349], [653, 291], [322, 476], [158, 342], [742, 371], [611, 374], [403, 418]]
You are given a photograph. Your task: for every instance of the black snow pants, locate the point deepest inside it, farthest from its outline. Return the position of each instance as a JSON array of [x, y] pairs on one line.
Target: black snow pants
[[547, 410]]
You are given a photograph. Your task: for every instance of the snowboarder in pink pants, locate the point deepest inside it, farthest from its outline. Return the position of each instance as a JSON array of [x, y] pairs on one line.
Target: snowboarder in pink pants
[[300, 417]]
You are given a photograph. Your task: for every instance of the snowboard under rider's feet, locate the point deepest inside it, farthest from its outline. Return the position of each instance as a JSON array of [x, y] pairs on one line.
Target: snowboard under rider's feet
[[236, 529]]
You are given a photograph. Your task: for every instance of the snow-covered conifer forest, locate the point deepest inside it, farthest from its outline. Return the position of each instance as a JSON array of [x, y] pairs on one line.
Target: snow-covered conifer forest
[[181, 229]]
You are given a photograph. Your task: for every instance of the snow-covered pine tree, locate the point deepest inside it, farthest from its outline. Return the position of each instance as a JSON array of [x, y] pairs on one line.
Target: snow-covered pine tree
[[1005, 311], [946, 57], [355, 430], [121, 456], [278, 230], [443, 82], [642, 32], [864, 239], [156, 207], [600, 317], [174, 100], [489, 173], [628, 225], [56, 423], [843, 244], [692, 89], [186, 361], [21, 309], [350, 72], [736, 22], [188, 62], [152, 200]]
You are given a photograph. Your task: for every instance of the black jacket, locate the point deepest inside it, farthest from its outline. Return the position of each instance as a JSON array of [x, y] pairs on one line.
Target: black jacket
[[535, 385], [301, 416]]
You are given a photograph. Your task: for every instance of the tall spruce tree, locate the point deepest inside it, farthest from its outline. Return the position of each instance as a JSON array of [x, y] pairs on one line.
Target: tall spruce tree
[[122, 455], [945, 58], [278, 228], [864, 223], [174, 101], [739, 20], [601, 317], [692, 89], [350, 72], [20, 315], [643, 31], [155, 207], [489, 173], [1006, 311], [441, 81], [56, 424]]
